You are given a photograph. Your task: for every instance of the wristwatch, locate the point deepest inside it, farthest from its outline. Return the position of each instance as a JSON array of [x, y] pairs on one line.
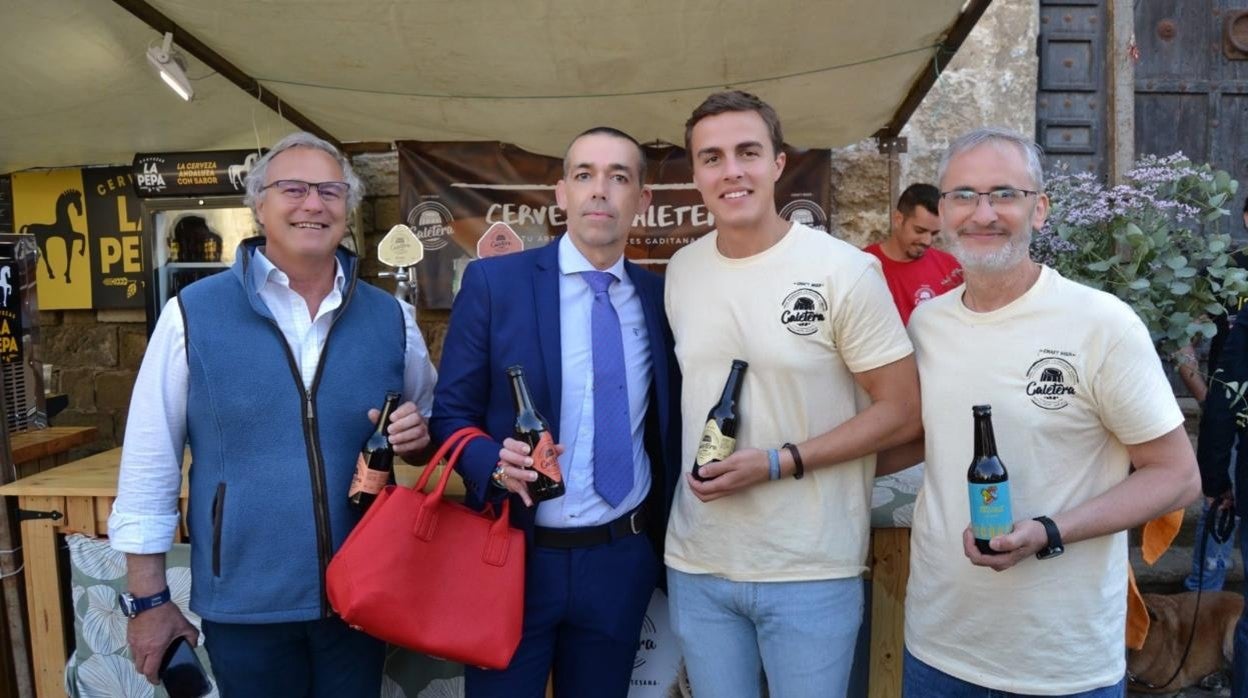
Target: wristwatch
[[1054, 546], [132, 606]]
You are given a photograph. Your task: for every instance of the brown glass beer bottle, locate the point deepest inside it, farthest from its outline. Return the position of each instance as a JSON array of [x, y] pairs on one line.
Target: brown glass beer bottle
[[719, 436], [532, 429], [376, 461]]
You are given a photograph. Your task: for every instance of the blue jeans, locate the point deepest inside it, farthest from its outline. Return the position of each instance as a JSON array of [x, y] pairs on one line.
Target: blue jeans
[[801, 634], [1239, 678], [1217, 558], [919, 680]]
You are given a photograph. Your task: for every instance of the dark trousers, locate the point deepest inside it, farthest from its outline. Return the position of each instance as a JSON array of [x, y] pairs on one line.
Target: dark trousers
[[314, 659], [1239, 678], [583, 610]]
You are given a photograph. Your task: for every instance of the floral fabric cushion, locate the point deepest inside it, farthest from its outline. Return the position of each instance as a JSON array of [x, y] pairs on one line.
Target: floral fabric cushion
[[892, 498], [100, 666]]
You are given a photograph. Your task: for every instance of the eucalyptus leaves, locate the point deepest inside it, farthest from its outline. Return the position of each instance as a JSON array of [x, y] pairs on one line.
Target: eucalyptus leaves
[[1160, 241]]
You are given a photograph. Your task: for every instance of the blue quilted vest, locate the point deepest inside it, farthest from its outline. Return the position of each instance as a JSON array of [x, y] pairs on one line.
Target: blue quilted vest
[[271, 462]]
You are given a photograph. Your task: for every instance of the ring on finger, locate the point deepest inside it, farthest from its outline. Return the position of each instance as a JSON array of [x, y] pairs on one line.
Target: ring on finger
[[499, 476]]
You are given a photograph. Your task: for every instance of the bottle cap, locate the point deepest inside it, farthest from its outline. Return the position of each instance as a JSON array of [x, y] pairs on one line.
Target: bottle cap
[[982, 410]]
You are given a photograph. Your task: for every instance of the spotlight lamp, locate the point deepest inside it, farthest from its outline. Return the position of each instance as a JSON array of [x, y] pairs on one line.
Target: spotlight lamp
[[171, 66]]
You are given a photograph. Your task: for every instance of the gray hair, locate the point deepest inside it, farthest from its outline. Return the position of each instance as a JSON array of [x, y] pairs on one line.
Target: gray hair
[[994, 134], [255, 181]]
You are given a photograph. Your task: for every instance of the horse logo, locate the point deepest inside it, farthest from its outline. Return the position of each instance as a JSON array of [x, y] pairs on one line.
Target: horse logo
[[4, 284], [239, 172], [62, 228]]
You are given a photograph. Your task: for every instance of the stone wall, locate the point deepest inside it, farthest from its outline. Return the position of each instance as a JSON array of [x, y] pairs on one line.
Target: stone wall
[[992, 80]]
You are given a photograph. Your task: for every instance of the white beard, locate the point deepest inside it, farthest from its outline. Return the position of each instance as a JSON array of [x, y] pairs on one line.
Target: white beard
[[1016, 249]]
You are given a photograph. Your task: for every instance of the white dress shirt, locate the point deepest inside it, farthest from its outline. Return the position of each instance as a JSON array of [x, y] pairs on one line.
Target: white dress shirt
[[581, 505], [145, 513]]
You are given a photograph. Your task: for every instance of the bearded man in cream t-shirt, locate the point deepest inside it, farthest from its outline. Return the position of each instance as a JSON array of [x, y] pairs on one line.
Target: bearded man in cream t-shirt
[[1077, 395]]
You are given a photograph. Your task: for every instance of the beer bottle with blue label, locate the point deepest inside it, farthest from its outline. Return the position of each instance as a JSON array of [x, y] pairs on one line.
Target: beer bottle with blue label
[[989, 485]]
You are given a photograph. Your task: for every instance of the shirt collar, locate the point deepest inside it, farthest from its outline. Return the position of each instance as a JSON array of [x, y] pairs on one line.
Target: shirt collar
[[571, 261], [264, 271]]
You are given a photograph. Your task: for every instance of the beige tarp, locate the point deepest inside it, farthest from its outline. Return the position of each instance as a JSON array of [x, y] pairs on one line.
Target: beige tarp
[[75, 87]]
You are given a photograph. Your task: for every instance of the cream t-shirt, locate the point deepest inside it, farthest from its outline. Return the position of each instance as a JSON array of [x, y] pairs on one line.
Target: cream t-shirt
[[1071, 375], [806, 314]]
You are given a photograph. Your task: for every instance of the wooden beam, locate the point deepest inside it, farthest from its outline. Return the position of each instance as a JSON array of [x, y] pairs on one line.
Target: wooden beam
[[359, 147], [1120, 117], [944, 53], [185, 41]]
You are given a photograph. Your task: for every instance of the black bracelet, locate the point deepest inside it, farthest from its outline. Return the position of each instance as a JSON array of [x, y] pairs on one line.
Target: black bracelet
[[798, 469]]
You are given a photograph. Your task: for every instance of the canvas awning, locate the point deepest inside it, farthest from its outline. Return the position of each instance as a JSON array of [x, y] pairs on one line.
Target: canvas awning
[[77, 88]]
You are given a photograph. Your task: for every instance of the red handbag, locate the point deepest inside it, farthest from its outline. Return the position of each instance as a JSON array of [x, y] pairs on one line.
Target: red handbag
[[433, 575]]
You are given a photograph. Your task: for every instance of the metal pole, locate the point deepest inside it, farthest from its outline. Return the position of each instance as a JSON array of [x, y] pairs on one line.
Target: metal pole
[[10, 581]]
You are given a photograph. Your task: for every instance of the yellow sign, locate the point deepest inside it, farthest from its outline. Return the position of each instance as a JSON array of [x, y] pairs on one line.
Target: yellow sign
[[49, 205]]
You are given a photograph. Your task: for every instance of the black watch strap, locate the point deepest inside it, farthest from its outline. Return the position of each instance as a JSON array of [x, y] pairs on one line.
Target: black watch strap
[[1054, 546]]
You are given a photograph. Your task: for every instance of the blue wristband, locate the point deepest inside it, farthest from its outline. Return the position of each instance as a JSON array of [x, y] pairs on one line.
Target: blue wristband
[[773, 457]]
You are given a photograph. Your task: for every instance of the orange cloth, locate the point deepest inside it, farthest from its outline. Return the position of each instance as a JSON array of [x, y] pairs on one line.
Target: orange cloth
[[1157, 536]]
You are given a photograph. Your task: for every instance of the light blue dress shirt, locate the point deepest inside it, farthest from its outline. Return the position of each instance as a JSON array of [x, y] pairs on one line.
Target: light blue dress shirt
[[581, 505]]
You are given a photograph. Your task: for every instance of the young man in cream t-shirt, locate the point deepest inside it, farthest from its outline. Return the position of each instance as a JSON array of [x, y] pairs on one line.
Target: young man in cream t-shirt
[[764, 559], [1077, 394]]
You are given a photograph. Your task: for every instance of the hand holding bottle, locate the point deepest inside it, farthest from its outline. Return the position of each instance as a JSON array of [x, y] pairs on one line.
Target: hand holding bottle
[[407, 432], [517, 467], [1027, 538], [742, 469]]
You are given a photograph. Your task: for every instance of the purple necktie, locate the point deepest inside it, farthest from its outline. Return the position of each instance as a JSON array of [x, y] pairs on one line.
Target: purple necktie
[[613, 431]]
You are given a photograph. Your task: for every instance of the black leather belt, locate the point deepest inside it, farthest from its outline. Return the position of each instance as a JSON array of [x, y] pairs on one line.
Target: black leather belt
[[630, 524]]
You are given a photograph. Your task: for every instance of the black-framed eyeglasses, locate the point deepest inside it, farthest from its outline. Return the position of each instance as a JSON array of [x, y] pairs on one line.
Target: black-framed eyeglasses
[[1003, 196], [297, 189]]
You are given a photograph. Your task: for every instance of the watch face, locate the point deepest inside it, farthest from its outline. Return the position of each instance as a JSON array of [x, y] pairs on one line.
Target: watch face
[[126, 601], [1050, 552]]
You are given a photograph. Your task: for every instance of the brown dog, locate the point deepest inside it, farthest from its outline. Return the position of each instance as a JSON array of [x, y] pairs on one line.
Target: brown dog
[[1170, 617]]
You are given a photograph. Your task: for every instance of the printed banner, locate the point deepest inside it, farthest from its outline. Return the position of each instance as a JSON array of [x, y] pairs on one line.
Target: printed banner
[[10, 311], [451, 193], [87, 226], [192, 174]]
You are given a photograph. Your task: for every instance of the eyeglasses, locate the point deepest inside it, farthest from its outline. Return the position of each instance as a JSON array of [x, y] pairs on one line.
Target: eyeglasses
[[297, 189], [997, 198]]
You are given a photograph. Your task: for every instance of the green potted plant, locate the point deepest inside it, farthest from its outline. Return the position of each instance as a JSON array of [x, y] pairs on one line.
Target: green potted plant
[[1158, 241]]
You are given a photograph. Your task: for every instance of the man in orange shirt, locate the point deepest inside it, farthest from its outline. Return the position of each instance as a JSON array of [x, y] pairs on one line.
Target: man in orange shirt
[[916, 271]]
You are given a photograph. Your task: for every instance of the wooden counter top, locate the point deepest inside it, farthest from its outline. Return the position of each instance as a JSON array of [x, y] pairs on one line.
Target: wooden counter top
[[96, 476], [41, 443]]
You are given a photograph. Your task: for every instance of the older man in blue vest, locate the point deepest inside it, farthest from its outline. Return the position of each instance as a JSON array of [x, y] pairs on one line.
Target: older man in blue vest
[[269, 372]]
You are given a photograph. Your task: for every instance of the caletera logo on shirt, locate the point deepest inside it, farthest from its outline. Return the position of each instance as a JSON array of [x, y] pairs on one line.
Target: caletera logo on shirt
[[804, 308], [1052, 382], [923, 293]]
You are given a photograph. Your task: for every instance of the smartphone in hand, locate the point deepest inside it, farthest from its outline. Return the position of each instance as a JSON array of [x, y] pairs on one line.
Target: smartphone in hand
[[181, 673]]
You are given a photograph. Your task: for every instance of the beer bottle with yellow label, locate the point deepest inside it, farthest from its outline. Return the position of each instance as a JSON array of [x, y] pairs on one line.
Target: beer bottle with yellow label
[[719, 436], [532, 428], [989, 485]]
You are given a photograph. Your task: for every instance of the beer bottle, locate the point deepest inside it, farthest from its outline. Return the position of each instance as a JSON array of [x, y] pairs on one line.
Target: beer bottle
[[719, 436], [989, 485], [376, 461], [532, 429]]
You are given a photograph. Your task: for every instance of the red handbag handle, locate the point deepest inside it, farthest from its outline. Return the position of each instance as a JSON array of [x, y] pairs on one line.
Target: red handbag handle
[[426, 519], [458, 441]]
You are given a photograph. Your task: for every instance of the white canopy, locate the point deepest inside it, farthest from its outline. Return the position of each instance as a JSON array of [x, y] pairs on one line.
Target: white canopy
[[76, 88]]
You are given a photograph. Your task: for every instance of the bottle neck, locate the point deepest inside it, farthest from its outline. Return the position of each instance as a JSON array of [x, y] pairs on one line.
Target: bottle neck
[[985, 441], [732, 389], [383, 420], [520, 394]]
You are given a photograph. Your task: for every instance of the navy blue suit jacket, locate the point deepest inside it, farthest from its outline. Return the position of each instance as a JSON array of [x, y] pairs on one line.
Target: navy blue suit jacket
[[507, 313]]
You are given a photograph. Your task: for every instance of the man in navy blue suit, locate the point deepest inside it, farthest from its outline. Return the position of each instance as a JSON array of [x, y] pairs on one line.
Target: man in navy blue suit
[[590, 331]]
